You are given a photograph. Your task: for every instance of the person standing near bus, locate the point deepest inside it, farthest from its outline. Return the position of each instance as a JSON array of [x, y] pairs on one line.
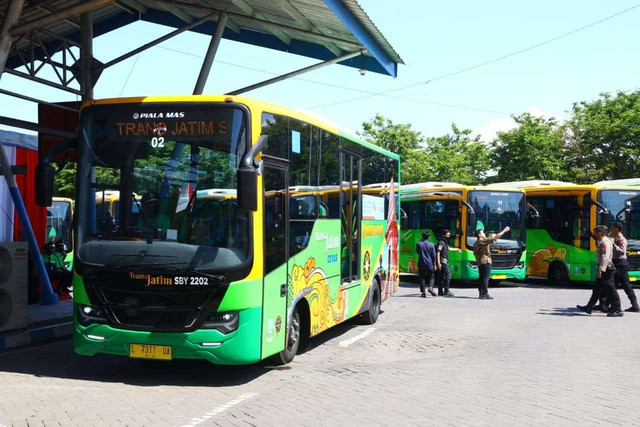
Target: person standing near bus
[[482, 253], [604, 277], [621, 276], [426, 264], [443, 274]]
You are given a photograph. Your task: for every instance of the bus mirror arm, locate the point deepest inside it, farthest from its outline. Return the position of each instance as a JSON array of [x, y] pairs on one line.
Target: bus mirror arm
[[248, 176], [535, 214], [471, 214], [404, 219], [602, 208]]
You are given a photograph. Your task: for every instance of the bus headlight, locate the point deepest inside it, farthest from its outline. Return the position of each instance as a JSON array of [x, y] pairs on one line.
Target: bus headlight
[[520, 265], [88, 314], [473, 265], [226, 322]]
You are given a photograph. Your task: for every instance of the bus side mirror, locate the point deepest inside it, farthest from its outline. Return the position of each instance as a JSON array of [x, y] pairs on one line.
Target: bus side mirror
[[248, 189], [458, 232], [536, 222], [248, 176], [471, 220], [44, 184], [404, 220]]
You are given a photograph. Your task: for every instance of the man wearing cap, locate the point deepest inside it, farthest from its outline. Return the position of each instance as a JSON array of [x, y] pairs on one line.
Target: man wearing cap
[[604, 277], [621, 276], [482, 253]]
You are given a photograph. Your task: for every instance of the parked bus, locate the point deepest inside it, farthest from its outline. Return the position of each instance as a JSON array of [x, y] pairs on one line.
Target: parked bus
[[60, 225], [462, 210], [226, 261], [560, 246]]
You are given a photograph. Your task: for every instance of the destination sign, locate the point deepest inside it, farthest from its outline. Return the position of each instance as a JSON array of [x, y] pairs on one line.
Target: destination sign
[[170, 122]]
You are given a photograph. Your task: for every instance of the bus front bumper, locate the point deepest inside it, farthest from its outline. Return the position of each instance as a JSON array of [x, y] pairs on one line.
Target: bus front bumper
[[240, 347], [470, 272]]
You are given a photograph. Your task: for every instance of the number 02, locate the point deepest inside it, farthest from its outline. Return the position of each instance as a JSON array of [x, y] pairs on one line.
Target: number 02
[[157, 142]]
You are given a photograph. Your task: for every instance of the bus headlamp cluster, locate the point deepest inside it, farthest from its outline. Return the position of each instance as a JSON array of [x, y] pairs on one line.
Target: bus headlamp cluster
[[88, 314], [226, 322]]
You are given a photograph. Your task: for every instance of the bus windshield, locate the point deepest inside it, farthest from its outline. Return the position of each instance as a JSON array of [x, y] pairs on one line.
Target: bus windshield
[[59, 221], [617, 202], [160, 158], [496, 210]]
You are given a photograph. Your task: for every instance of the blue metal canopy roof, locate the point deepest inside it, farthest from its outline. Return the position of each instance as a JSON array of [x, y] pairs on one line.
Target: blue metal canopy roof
[[321, 29]]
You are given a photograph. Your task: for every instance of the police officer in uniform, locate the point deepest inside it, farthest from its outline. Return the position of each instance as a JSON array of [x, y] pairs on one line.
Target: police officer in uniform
[[604, 277], [443, 274]]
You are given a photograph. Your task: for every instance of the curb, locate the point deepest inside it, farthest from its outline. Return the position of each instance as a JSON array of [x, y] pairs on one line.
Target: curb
[[35, 335]]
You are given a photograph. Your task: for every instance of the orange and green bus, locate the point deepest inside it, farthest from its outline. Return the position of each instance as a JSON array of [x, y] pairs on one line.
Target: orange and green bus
[[433, 207], [258, 227]]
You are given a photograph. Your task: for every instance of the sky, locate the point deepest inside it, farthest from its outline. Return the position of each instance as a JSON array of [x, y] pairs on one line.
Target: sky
[[434, 39]]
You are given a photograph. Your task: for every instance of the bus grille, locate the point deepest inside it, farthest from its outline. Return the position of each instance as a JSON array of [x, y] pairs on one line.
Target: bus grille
[[504, 261], [634, 262], [166, 310]]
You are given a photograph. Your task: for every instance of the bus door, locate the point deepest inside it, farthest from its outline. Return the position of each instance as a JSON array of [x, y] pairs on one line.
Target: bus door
[[276, 255], [351, 215]]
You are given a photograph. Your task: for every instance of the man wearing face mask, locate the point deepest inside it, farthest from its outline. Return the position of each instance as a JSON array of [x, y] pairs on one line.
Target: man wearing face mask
[[604, 277]]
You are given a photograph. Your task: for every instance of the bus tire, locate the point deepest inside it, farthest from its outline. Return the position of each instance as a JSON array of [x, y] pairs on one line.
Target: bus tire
[[558, 275], [294, 336], [370, 316]]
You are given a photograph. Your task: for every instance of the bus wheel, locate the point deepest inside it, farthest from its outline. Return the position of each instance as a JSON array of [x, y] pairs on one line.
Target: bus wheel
[[293, 340], [370, 316], [558, 275]]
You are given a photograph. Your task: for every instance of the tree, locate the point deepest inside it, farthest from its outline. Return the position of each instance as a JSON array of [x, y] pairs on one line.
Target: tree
[[604, 138], [455, 157], [452, 157], [533, 150], [397, 138]]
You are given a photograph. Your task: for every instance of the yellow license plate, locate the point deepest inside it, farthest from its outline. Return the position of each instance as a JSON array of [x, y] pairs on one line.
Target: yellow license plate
[[144, 351], [498, 276], [633, 278]]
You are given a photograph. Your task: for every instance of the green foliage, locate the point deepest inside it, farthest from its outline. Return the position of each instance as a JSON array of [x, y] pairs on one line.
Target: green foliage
[[397, 138], [533, 150], [453, 157], [604, 138]]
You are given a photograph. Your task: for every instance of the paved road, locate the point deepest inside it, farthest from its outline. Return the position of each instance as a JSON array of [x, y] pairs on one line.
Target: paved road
[[525, 358]]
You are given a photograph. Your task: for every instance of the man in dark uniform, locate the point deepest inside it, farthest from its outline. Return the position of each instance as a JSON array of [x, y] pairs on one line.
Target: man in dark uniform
[[604, 277], [621, 276], [426, 263], [443, 274]]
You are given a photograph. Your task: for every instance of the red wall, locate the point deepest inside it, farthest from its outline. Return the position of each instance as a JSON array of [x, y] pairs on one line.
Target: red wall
[[26, 183]]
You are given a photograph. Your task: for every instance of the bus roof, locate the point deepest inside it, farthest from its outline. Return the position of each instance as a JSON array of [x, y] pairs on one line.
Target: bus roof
[[252, 103], [530, 183], [629, 181], [430, 185]]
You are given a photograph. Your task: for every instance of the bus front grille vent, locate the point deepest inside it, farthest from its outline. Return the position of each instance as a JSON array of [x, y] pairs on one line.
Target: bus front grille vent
[[154, 310]]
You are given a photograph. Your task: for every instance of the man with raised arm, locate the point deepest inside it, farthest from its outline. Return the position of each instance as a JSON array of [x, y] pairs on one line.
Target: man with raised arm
[[482, 252]]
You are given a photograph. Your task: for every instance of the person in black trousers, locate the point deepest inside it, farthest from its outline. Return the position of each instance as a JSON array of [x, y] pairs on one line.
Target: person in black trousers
[[482, 253], [621, 276], [426, 263], [604, 277], [443, 274]]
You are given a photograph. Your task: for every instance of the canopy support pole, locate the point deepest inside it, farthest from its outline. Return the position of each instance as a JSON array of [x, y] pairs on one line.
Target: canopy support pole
[[211, 54], [297, 72], [6, 39]]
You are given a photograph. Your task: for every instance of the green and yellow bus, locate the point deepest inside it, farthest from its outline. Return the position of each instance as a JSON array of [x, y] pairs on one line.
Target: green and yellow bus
[[258, 227], [462, 210], [560, 246]]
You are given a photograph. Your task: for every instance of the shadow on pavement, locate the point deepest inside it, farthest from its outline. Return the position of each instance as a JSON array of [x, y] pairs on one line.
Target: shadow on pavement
[[561, 311], [57, 360]]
